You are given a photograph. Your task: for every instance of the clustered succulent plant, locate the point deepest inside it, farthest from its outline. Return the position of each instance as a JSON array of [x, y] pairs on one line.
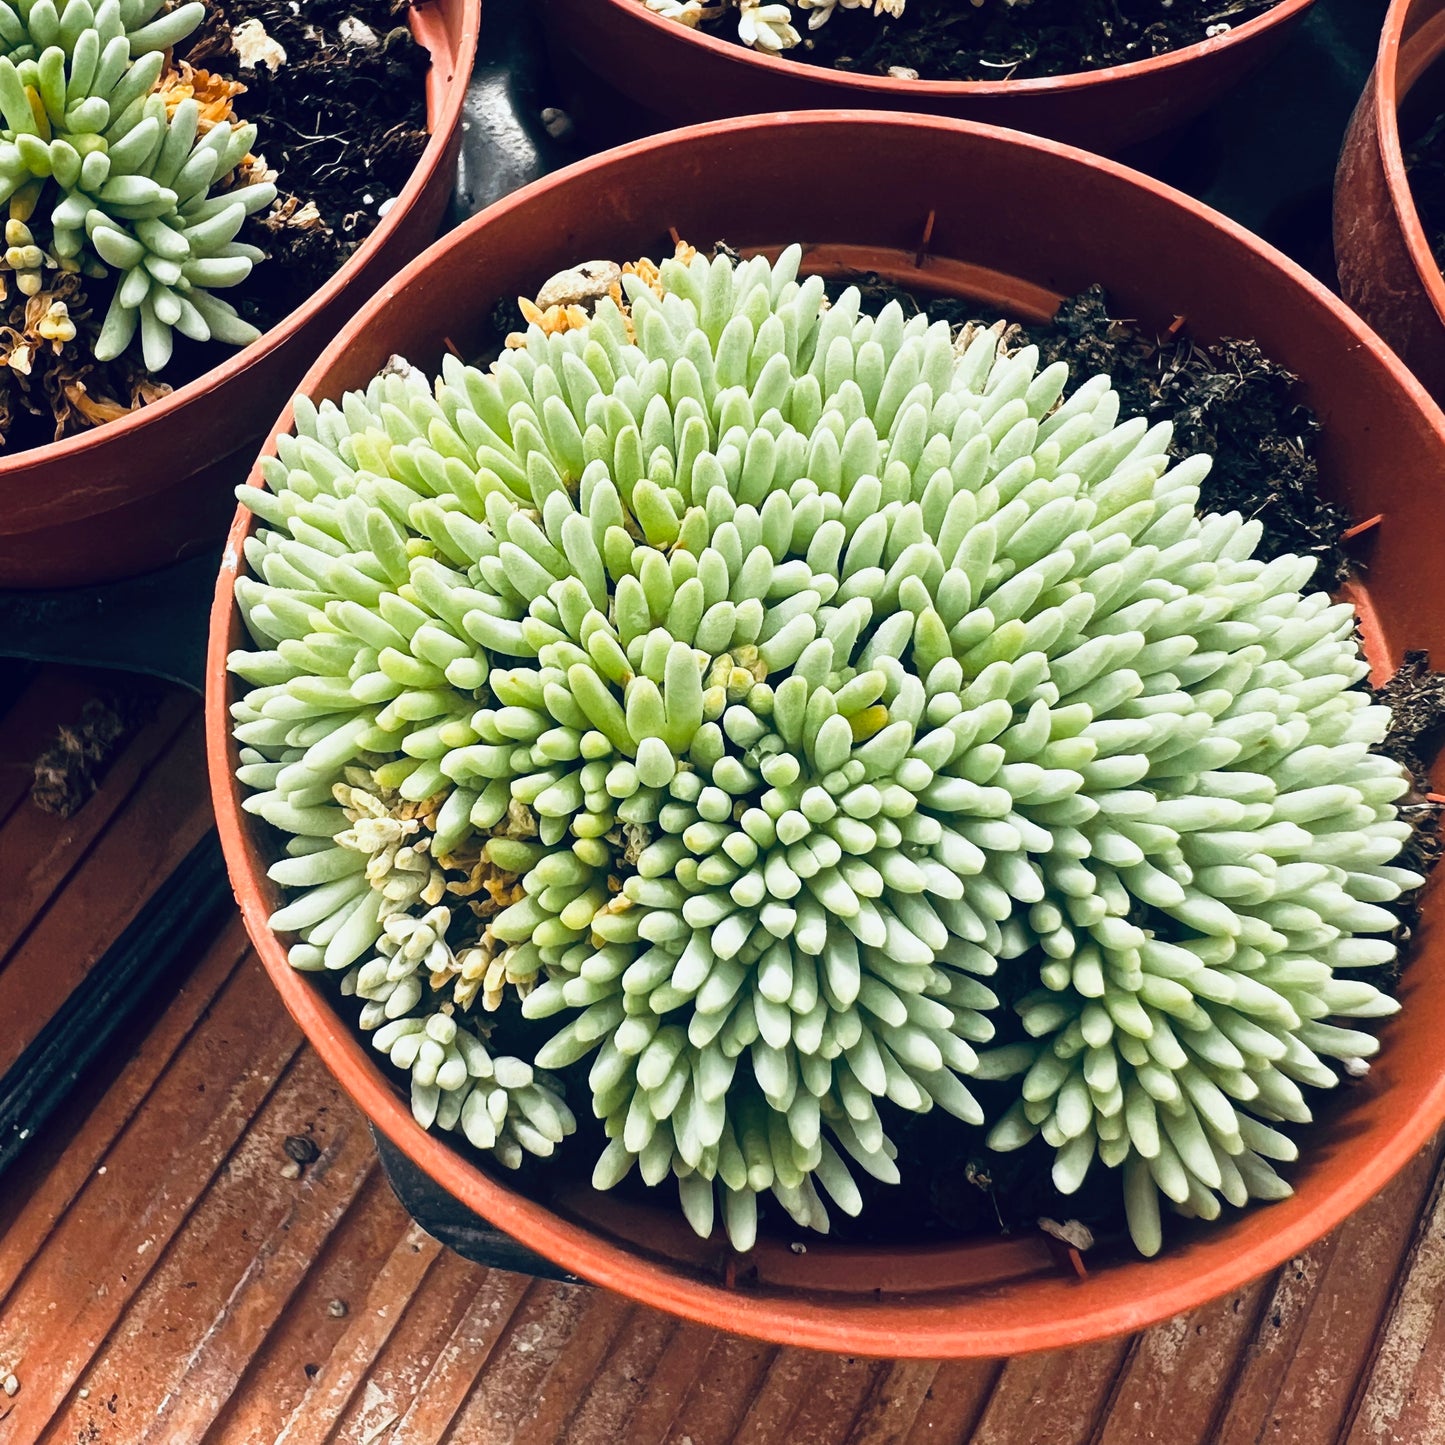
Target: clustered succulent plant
[[761, 691], [103, 177]]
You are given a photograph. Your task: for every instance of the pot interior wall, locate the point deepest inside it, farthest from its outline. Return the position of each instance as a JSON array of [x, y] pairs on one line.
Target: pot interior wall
[[1014, 222]]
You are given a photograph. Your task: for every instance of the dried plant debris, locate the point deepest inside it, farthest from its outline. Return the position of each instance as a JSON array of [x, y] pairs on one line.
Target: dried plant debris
[[70, 770], [48, 369], [337, 90], [993, 39]]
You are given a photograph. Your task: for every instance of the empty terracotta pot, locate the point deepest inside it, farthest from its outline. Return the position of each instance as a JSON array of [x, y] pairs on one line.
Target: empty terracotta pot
[[682, 75], [156, 485], [1057, 220], [1387, 271]]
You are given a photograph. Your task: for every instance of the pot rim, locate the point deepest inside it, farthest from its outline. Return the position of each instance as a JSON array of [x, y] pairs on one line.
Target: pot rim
[[862, 90], [442, 118], [896, 1327], [1387, 99]]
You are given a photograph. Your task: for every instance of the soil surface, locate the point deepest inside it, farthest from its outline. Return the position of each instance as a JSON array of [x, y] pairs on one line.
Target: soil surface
[[342, 122], [1425, 162], [957, 40]]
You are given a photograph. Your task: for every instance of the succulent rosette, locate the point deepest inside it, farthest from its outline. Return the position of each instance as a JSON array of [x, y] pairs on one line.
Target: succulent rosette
[[756, 690], [103, 176]]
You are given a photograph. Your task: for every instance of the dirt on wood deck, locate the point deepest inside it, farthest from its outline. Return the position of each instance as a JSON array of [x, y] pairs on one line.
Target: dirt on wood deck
[[165, 1280]]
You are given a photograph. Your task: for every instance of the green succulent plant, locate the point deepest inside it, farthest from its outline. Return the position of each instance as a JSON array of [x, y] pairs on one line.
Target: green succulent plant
[[797, 681], [102, 178]]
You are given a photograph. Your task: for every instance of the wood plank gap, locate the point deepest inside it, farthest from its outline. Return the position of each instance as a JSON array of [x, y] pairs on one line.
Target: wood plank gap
[[23, 1237], [314, 1418], [461, 1362], [218, 1363], [1408, 1343]]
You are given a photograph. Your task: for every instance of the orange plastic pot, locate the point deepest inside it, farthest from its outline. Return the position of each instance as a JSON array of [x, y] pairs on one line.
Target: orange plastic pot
[[1387, 272], [155, 486], [1015, 223], [682, 76]]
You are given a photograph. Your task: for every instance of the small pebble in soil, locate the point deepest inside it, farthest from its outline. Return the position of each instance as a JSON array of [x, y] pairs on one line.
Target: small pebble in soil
[[290, 1170], [578, 284], [254, 47], [337, 1309], [301, 1148], [12, 1384], [557, 123], [357, 32]]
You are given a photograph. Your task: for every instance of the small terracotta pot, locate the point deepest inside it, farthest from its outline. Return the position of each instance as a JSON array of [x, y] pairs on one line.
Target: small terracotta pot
[[1032, 222], [682, 76], [1387, 271], [156, 485]]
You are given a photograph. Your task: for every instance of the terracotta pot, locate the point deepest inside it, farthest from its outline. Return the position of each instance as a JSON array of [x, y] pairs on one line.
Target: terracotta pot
[[1387, 271], [1058, 219], [156, 485], [682, 76]]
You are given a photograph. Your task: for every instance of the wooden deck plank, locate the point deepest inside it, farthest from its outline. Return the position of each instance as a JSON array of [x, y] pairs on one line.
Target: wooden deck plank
[[1173, 1382], [535, 1336], [672, 1378], [44, 1184], [610, 1398], [105, 1247], [778, 1397], [1402, 1395], [1348, 1308], [226, 1278], [444, 1390], [728, 1378], [342, 1375], [160, 824], [1056, 1397], [898, 1396], [428, 1322], [953, 1402], [310, 1330], [605, 1317], [836, 1394], [40, 851]]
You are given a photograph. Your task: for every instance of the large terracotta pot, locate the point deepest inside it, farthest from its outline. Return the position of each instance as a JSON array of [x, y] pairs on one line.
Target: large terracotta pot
[[155, 485], [681, 76], [1387, 271], [1058, 219]]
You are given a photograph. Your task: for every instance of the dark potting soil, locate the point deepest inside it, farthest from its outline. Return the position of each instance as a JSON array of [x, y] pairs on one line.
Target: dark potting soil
[[342, 121], [996, 40], [1225, 398], [1425, 163]]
